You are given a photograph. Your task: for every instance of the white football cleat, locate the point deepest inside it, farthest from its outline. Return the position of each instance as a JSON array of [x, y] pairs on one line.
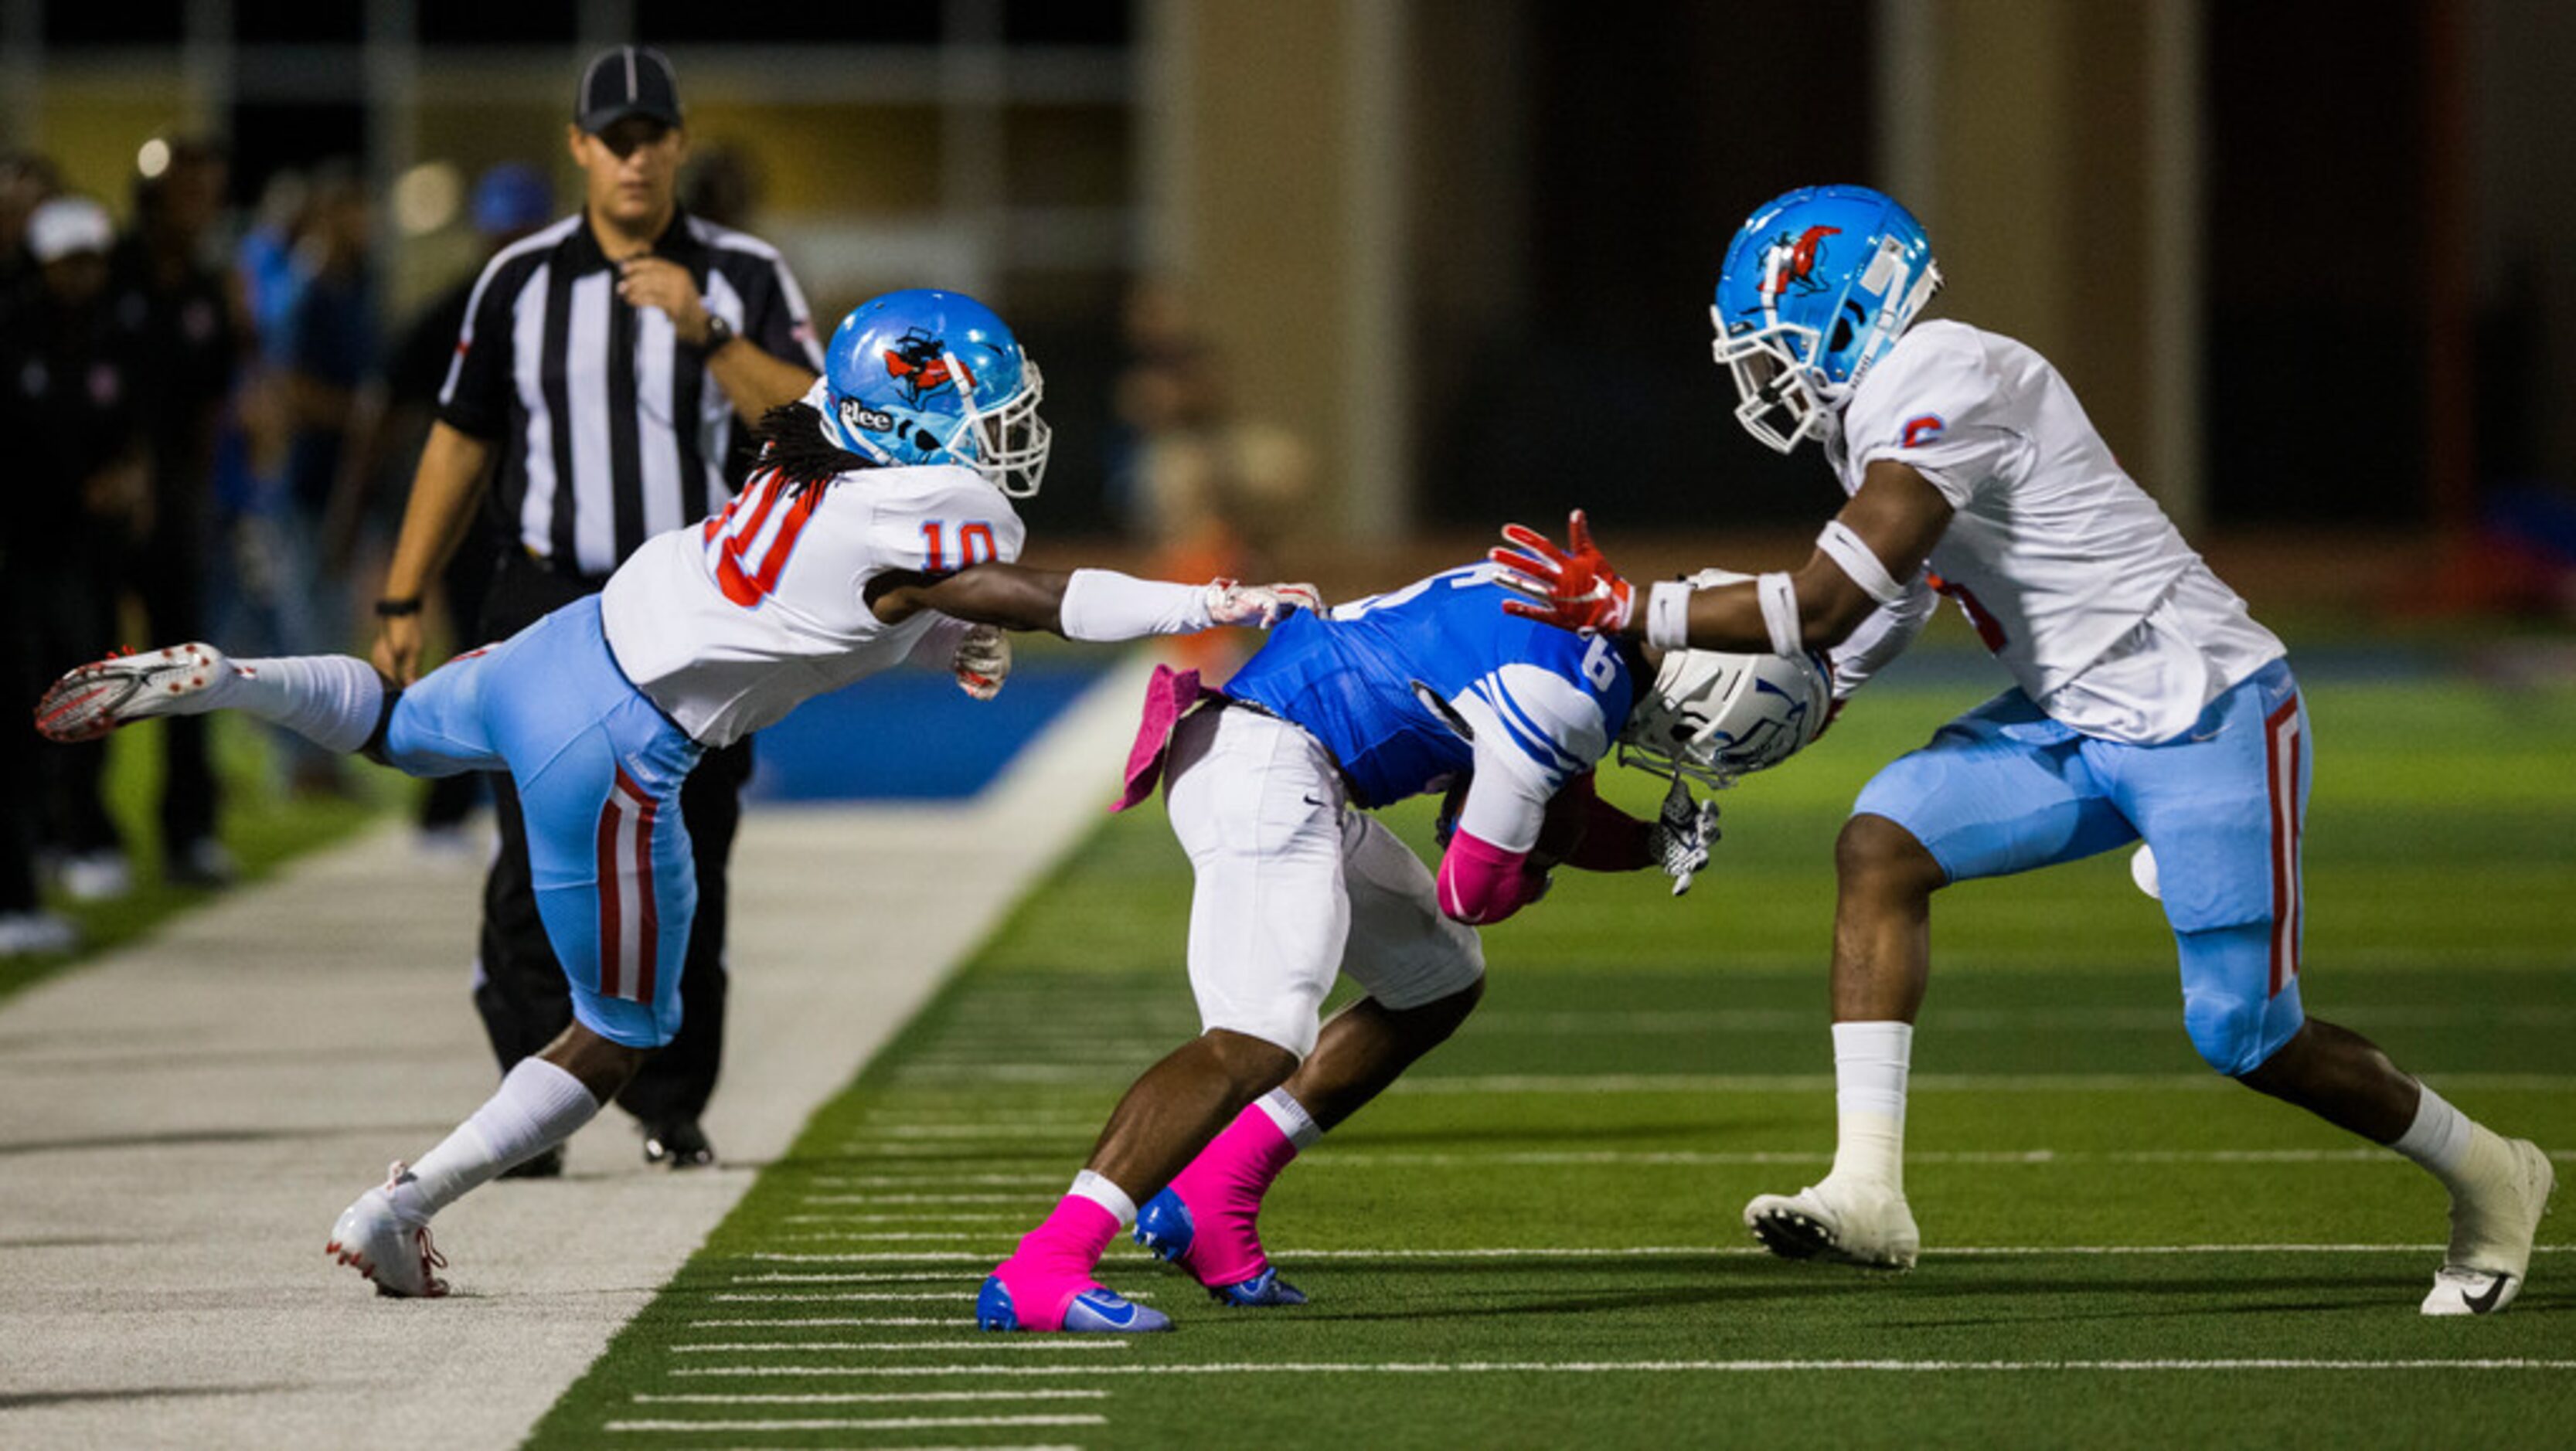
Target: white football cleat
[[1846, 1223], [375, 1239], [2491, 1231], [98, 697]]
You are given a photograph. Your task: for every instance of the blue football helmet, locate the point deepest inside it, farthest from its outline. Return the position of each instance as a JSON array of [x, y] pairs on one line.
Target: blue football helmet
[[1817, 287], [923, 377]]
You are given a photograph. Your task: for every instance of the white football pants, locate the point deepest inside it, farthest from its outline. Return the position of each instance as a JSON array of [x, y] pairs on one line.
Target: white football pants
[[1295, 884]]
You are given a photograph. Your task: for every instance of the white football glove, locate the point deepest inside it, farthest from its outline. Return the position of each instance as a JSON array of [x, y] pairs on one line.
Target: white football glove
[[982, 661], [1682, 835], [1264, 605]]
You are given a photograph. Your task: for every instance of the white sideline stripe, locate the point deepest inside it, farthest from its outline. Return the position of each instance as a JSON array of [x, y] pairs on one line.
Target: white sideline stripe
[[933, 1216], [937, 1181], [921, 1198], [1920, 1083], [1363, 1159], [992, 1342], [773, 1297], [1731, 1083], [882, 1235], [886, 1423], [1660, 1367], [844, 1277], [856, 1398], [955, 1322], [1018, 1129], [1669, 1250]]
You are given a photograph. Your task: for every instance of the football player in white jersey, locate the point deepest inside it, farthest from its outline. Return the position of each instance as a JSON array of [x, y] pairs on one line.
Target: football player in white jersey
[[2146, 704], [877, 529]]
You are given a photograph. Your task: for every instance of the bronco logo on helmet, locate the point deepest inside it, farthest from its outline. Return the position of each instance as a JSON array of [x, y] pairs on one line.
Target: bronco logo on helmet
[[919, 364], [1795, 261]]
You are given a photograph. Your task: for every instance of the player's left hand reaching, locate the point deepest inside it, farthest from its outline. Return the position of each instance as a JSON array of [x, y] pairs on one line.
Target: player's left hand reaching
[[1263, 605], [1682, 834], [1573, 588], [982, 661]]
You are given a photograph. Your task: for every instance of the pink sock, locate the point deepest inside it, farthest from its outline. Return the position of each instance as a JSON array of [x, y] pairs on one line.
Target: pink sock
[[1055, 1260], [1223, 1188]]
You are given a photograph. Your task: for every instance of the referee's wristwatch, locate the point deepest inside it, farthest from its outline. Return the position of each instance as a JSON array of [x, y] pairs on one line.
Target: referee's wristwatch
[[719, 333]]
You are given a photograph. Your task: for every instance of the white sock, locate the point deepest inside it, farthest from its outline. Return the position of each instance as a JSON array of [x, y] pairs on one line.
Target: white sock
[[1294, 1122], [538, 1106], [1100, 1191], [1870, 1061], [331, 700], [2440, 1139]]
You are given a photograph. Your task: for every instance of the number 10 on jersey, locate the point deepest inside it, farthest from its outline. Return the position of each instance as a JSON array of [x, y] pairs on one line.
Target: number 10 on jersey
[[974, 541]]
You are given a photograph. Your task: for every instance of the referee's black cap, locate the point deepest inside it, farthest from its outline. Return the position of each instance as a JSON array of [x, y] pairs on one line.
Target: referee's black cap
[[632, 80]]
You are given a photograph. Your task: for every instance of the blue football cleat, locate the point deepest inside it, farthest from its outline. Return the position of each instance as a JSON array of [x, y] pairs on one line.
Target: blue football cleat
[[1261, 1292], [1093, 1312], [1165, 1227], [1098, 1311]]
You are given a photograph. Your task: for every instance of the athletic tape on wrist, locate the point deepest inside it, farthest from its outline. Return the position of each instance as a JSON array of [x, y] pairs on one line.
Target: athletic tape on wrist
[[1779, 594], [1668, 615], [1847, 549]]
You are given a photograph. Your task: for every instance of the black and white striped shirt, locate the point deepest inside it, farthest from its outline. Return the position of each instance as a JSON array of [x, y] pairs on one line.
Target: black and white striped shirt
[[610, 429]]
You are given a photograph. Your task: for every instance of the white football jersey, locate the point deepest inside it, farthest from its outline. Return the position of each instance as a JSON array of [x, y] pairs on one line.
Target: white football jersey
[[2073, 576], [731, 623]]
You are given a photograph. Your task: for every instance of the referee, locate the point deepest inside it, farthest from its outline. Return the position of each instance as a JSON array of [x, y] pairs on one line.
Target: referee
[[605, 363]]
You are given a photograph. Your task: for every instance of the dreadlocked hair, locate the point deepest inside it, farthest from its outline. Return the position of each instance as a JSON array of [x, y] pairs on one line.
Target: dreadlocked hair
[[793, 443]]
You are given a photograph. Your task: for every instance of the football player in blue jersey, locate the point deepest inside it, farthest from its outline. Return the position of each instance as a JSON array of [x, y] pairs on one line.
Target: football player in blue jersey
[[1269, 783]]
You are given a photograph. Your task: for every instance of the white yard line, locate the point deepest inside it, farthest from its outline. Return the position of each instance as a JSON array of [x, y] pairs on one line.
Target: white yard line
[[1666, 1251], [857, 1398], [873, 1423], [988, 1342], [1650, 1367]]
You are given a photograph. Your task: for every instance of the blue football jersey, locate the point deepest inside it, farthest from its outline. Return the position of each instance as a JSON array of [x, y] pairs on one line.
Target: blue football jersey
[[1409, 689]]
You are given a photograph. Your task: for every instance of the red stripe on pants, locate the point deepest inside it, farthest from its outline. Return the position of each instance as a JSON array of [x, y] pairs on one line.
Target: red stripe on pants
[[2281, 748], [611, 816], [648, 921]]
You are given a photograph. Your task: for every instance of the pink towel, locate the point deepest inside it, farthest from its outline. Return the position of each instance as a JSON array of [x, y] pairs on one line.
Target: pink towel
[[1168, 696]]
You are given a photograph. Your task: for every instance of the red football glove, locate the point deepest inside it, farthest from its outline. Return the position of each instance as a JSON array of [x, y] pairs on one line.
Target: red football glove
[[1573, 588]]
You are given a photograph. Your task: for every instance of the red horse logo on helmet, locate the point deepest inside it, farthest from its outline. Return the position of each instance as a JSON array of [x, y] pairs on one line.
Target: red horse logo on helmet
[[1795, 261], [920, 364]]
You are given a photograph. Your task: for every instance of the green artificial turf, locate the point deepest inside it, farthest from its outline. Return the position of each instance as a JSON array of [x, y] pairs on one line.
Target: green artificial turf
[[1640, 1067]]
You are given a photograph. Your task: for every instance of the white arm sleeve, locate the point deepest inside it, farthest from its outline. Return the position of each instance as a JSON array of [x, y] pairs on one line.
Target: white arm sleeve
[[1102, 605], [1881, 638]]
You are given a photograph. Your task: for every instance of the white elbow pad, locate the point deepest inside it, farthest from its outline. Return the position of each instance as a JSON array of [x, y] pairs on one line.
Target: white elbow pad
[[1846, 549], [1779, 596]]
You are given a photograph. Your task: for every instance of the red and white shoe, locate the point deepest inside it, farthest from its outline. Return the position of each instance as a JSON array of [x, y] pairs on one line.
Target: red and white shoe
[[380, 1242], [98, 697]]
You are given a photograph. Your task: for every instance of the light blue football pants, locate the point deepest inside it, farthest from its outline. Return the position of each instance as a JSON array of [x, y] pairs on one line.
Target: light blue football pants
[[598, 768], [2005, 789]]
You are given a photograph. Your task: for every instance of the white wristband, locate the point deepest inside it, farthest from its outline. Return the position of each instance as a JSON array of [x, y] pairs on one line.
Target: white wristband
[[1102, 604], [1668, 615], [1779, 594], [1849, 550]]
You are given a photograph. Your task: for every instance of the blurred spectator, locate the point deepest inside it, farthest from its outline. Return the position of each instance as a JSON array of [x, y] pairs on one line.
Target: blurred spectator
[[25, 927], [168, 288], [329, 355], [72, 410], [510, 201], [1215, 494], [26, 182]]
